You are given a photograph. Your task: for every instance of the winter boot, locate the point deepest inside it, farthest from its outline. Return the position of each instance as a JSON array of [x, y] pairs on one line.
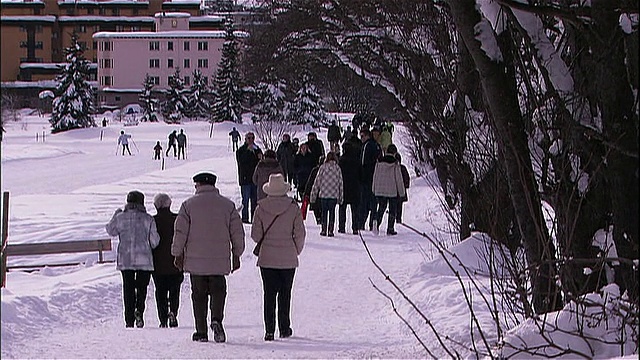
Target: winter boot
[[200, 337], [391, 232], [374, 227], [218, 332], [268, 337], [285, 333], [139, 319], [173, 321]]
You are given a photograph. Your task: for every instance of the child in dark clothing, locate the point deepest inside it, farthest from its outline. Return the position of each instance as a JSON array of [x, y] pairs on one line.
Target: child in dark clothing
[[157, 151]]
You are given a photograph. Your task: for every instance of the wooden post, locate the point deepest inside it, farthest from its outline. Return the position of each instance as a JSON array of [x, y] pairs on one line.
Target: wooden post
[[37, 137], [211, 130], [163, 163], [101, 135], [5, 230], [42, 135]]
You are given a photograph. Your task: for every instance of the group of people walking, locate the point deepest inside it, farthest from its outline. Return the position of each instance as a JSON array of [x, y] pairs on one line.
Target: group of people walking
[[174, 139], [366, 176], [206, 239]]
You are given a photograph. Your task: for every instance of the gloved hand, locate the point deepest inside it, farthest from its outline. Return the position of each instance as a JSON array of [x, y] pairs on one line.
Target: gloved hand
[[235, 263], [178, 261]]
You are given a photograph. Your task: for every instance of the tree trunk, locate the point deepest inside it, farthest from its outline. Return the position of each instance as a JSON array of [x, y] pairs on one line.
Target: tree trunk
[[620, 128], [501, 96]]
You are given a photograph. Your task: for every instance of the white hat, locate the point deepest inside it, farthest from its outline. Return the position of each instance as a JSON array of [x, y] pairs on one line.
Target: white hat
[[276, 186]]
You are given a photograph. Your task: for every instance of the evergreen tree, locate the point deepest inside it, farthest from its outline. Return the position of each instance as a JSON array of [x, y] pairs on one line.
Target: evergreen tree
[[307, 106], [227, 104], [73, 104], [147, 101], [175, 104], [199, 94], [271, 102]]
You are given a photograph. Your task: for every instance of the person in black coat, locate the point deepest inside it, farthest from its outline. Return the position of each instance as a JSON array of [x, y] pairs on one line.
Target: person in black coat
[[334, 136], [371, 152], [285, 153], [166, 276], [303, 163], [350, 166], [247, 157], [316, 147]]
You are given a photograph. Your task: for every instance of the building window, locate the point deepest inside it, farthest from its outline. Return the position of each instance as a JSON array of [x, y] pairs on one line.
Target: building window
[[95, 60], [115, 11], [106, 63], [120, 28], [154, 63], [170, 45], [203, 63], [169, 63], [187, 63], [106, 80], [105, 46], [38, 44], [23, 44], [203, 45], [154, 45], [102, 11], [135, 28], [96, 28], [187, 46], [90, 11], [70, 11], [39, 28], [83, 45], [36, 11], [81, 29], [155, 80], [135, 12], [187, 80], [117, 98], [23, 28], [95, 45], [23, 59]]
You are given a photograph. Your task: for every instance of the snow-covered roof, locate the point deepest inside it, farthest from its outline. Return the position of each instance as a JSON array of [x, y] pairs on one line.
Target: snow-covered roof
[[42, 84], [114, 90], [206, 18], [51, 66], [97, 18], [102, 2], [165, 34], [32, 2], [23, 18], [172, 15]]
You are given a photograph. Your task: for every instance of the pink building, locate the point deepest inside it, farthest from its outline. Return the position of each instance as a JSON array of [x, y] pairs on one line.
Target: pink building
[[124, 58]]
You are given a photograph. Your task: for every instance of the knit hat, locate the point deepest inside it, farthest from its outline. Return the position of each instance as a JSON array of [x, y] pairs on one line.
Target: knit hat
[[135, 197], [276, 186], [162, 201], [205, 178]]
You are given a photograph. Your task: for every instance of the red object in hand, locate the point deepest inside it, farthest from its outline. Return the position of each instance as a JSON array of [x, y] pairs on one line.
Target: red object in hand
[[305, 206]]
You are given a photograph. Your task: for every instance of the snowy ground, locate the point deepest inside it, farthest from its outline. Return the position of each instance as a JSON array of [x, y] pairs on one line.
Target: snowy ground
[[67, 188]]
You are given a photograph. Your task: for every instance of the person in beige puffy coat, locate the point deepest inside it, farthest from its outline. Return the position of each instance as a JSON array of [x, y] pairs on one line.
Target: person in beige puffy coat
[[279, 227], [388, 186], [208, 233]]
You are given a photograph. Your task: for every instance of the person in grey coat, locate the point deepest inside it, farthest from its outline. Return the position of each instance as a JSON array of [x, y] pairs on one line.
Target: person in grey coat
[[208, 241], [279, 228], [138, 236]]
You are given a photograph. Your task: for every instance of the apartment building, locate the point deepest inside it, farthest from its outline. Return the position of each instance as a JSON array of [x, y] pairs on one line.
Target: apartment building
[[124, 58]]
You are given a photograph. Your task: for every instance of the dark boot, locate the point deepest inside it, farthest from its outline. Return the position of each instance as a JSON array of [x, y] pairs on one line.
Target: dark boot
[[218, 332]]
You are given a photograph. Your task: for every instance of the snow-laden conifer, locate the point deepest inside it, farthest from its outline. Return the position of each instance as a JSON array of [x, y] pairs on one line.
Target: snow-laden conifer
[[227, 105], [147, 101], [73, 104]]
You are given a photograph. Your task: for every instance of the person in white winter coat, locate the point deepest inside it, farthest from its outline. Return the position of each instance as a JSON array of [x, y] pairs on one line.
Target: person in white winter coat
[[328, 188], [387, 187], [138, 236]]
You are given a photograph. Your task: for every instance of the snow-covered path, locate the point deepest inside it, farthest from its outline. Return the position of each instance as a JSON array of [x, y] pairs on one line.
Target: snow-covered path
[[68, 188], [335, 313]]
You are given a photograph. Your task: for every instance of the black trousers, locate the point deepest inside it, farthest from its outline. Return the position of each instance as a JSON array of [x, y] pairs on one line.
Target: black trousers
[[169, 149], [156, 155], [382, 207], [203, 287], [181, 150], [367, 205], [342, 217], [125, 147], [167, 294], [277, 284], [134, 292]]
